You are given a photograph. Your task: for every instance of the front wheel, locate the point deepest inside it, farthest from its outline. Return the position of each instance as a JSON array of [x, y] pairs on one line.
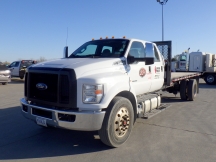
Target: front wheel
[[118, 122], [5, 83]]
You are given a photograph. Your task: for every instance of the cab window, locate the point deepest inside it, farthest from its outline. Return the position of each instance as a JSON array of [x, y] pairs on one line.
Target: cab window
[[183, 58], [149, 52], [14, 64], [156, 55], [137, 50]]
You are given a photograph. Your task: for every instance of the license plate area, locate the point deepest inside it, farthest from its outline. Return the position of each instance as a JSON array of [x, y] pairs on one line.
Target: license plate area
[[42, 113], [41, 121]]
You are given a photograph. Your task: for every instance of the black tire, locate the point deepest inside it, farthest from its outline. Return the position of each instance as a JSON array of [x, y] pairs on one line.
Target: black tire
[[5, 83], [192, 89], [118, 122], [21, 77], [183, 90], [210, 79]]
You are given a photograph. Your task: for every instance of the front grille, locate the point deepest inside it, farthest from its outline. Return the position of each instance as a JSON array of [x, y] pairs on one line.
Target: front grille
[[64, 89], [51, 80], [60, 91], [25, 88]]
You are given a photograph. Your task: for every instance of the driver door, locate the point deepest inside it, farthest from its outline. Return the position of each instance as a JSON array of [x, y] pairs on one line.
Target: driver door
[[140, 77], [14, 68]]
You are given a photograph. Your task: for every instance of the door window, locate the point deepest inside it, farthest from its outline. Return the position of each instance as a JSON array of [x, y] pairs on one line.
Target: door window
[[156, 55], [14, 64], [149, 52], [137, 50]]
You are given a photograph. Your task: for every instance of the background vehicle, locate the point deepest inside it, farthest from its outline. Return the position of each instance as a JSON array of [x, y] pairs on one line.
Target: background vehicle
[[104, 85], [182, 62], [5, 74], [202, 62], [18, 68]]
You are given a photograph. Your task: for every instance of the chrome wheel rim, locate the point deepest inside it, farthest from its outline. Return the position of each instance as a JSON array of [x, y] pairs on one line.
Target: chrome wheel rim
[[122, 122]]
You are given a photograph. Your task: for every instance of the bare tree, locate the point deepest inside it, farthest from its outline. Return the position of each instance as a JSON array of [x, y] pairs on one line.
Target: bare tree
[[41, 59]]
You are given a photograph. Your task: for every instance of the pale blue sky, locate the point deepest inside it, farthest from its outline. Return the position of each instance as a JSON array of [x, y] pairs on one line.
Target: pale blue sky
[[30, 29]]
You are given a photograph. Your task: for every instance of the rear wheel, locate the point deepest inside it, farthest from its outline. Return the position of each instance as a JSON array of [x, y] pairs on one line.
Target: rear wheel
[[210, 79], [183, 90], [118, 122], [192, 89], [4, 83]]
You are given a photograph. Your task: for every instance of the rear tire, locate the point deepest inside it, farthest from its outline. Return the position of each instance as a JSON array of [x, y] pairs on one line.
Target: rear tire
[[118, 122], [192, 89], [183, 90], [210, 79], [5, 83]]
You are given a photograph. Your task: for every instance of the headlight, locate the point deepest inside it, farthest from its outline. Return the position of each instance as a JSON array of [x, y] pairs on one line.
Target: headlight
[[92, 93]]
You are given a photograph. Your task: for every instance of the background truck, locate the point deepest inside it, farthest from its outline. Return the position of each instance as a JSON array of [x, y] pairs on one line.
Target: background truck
[[104, 85], [182, 62], [5, 74], [202, 62], [18, 68]]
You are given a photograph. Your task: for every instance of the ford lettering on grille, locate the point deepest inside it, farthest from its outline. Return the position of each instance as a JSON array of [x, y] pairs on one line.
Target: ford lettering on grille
[[41, 86]]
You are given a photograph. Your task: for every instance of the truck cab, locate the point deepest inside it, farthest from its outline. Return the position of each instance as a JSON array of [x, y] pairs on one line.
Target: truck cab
[[182, 62], [97, 87]]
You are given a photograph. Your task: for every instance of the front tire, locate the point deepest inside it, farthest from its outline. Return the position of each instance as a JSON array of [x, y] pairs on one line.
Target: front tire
[[118, 122], [5, 83]]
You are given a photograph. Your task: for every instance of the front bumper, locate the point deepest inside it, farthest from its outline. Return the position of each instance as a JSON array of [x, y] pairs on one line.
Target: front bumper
[[83, 120], [4, 78]]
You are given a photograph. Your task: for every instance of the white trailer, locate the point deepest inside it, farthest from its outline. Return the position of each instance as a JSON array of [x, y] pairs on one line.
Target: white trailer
[[205, 63]]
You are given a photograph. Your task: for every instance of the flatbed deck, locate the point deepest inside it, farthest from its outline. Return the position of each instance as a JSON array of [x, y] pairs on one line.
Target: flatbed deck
[[176, 76]]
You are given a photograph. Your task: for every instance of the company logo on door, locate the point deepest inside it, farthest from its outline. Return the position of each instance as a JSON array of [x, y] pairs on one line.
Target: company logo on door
[[142, 72], [157, 69]]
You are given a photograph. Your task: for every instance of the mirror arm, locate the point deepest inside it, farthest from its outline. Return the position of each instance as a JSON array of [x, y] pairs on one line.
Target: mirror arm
[[65, 53]]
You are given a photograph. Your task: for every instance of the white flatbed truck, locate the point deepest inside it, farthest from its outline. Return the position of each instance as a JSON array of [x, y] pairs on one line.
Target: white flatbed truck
[[104, 85]]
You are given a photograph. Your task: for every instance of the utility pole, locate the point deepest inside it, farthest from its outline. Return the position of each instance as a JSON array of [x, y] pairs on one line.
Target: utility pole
[[162, 2]]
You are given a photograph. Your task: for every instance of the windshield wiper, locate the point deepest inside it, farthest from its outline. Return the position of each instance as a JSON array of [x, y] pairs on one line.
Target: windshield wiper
[[84, 56]]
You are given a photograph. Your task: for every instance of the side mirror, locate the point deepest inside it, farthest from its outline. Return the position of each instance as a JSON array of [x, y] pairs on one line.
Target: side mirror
[[65, 52], [130, 59], [149, 60]]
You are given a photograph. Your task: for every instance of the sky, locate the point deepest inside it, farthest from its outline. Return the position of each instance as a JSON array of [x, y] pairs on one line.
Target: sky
[[30, 29]]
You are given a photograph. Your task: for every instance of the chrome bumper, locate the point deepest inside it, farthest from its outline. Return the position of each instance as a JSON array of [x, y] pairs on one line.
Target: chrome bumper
[[84, 120]]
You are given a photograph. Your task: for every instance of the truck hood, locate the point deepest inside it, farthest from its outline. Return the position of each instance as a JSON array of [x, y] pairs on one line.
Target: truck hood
[[84, 65]]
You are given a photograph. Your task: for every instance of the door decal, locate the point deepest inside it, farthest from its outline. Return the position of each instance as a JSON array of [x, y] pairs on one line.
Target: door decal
[[142, 72]]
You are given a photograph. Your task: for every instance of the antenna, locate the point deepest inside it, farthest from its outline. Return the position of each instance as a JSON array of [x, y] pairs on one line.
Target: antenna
[[67, 36]]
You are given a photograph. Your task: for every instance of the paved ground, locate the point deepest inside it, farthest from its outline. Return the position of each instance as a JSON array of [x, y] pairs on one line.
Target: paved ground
[[185, 132]]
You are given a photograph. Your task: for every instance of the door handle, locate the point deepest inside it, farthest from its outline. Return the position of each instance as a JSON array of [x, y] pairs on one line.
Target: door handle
[[150, 69]]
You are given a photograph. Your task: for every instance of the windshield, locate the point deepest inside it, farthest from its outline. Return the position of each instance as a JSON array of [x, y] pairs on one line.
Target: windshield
[[110, 48], [26, 63], [183, 58]]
